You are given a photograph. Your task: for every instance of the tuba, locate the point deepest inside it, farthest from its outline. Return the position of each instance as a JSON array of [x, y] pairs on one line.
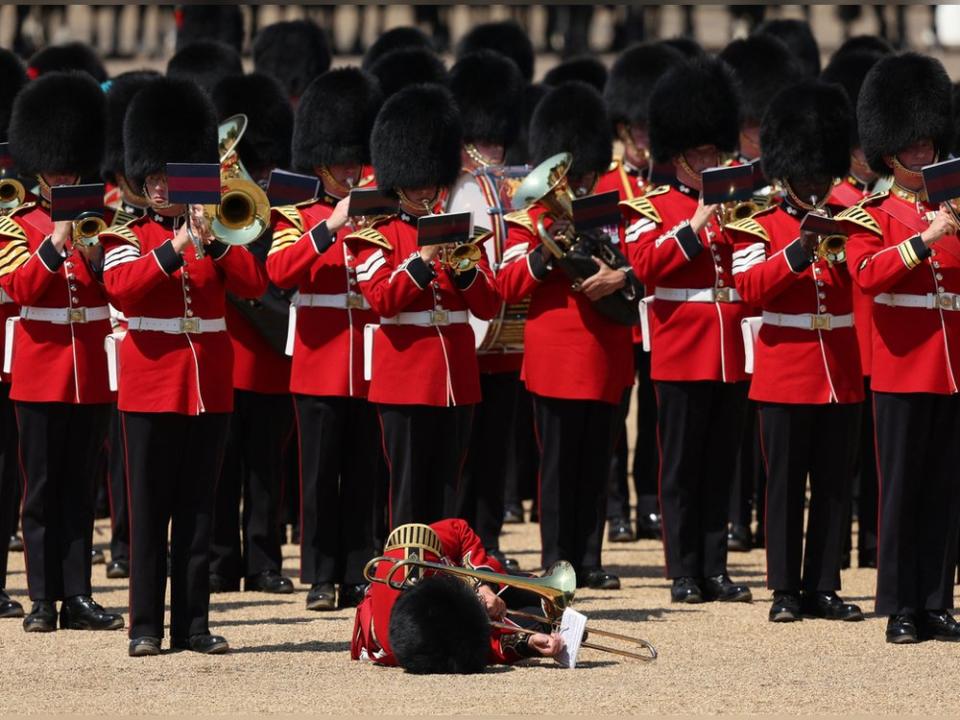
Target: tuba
[[574, 252]]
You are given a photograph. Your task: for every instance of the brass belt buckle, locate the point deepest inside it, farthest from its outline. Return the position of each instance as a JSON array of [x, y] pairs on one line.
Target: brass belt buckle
[[439, 317], [722, 295], [354, 301], [77, 315], [189, 325], [947, 302], [820, 322]]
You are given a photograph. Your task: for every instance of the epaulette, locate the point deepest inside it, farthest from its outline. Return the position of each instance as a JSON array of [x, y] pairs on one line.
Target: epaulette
[[121, 217], [751, 227], [11, 230], [291, 215], [613, 166], [521, 218], [21, 208], [858, 216], [874, 197], [643, 206], [480, 235], [125, 233], [15, 252], [366, 180], [370, 235]]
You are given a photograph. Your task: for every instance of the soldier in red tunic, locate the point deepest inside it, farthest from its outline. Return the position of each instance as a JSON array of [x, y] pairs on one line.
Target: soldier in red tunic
[[806, 375], [175, 366], [59, 372], [339, 437], [905, 253]]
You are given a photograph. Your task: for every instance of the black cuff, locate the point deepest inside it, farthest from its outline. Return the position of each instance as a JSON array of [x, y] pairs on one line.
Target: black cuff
[[49, 255], [216, 249], [539, 267], [465, 279], [689, 242], [420, 272], [169, 259], [321, 238], [920, 247], [798, 258]]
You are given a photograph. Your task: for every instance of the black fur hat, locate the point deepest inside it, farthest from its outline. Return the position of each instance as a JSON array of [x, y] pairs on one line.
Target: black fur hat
[[223, 23], [64, 58], [505, 37], [205, 62], [904, 98], [396, 38], [416, 139], [408, 66], [69, 140], [13, 76], [265, 144], [519, 151], [439, 627], [122, 89], [334, 119], [572, 118], [863, 43], [294, 53], [848, 70], [154, 136], [806, 132], [690, 48], [583, 68], [763, 66], [691, 105], [631, 80], [488, 89], [798, 37]]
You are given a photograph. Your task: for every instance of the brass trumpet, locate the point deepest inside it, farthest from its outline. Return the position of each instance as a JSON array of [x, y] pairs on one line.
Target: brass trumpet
[[733, 211], [832, 248], [12, 195], [460, 258], [87, 228]]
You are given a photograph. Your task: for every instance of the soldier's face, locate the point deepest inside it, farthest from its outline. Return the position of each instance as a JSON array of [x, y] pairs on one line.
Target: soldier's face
[[346, 174], [636, 144], [54, 179], [583, 184], [917, 154], [859, 166], [420, 198], [811, 190]]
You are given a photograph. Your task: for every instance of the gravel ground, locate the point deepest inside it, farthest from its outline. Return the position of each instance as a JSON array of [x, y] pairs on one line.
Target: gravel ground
[[713, 659]]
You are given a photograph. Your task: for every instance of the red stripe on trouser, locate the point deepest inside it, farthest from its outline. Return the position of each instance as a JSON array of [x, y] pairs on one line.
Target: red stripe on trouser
[[663, 525], [876, 454], [766, 495], [126, 467], [296, 415], [23, 498], [536, 436], [386, 457]]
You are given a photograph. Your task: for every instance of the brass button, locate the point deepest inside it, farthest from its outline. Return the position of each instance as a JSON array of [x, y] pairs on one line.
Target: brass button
[[189, 313], [823, 308]]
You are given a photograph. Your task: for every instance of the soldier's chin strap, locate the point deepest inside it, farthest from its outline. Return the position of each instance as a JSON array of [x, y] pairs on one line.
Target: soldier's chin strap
[[914, 177]]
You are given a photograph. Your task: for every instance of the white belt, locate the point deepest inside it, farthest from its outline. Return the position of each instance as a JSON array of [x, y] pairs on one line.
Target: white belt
[[808, 321], [703, 295], [428, 318], [178, 325], [4, 298], [342, 301], [65, 316], [930, 301]]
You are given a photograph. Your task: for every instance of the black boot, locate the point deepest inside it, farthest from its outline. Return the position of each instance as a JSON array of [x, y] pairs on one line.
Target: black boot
[[81, 612], [9, 608], [42, 617]]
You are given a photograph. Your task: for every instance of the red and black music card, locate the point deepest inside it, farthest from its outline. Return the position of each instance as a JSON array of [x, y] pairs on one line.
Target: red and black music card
[[193, 183], [596, 211], [820, 225], [727, 184], [444, 229], [370, 202], [942, 181], [68, 202], [289, 188]]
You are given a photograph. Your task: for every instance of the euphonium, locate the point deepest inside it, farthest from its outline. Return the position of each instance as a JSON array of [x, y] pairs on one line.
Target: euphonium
[[12, 194]]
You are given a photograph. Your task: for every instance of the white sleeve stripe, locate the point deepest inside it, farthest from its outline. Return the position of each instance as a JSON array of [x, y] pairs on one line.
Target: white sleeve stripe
[[750, 260], [743, 267], [113, 262], [378, 255], [638, 228], [116, 256], [515, 251], [371, 270], [749, 251]]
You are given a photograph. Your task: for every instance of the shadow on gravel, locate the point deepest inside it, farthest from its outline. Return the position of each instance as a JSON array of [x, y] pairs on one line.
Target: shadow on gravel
[[224, 606], [272, 621], [635, 614], [312, 646]]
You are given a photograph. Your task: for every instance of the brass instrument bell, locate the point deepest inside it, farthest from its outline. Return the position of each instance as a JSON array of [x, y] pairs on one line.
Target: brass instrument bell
[[547, 183], [12, 194], [87, 228]]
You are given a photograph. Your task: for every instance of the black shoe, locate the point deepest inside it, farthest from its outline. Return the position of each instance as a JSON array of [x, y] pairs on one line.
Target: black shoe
[[322, 596], [598, 579], [143, 646], [648, 527], [9, 608], [867, 559], [118, 569], [619, 530], [42, 617], [97, 557], [509, 564], [351, 595], [204, 643], [685, 590], [786, 607], [723, 589], [220, 584], [902, 629], [512, 514], [16, 543], [739, 539], [938, 625], [269, 581], [830, 606], [82, 612]]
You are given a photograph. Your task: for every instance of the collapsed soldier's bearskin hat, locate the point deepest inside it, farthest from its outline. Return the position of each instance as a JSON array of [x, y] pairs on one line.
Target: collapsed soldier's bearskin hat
[[572, 118], [694, 104], [763, 65], [863, 43], [205, 62], [585, 69], [294, 53], [416, 139], [223, 23], [57, 125], [507, 38], [397, 38], [13, 77], [64, 58], [438, 626], [848, 70], [334, 119], [408, 66], [519, 151], [806, 132], [904, 98], [798, 37], [632, 78], [488, 89], [169, 120], [121, 92]]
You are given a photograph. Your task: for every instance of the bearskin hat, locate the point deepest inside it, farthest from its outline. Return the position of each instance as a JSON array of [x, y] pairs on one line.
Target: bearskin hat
[[688, 46], [121, 92], [806, 132], [632, 78], [691, 105], [848, 70], [488, 89], [572, 118], [64, 58], [293, 53], [863, 43], [154, 136], [583, 68], [505, 37], [334, 119], [13, 77], [904, 98], [438, 627], [408, 66], [69, 140], [763, 65], [798, 37], [205, 62], [398, 38], [223, 23], [518, 153], [266, 142], [416, 139]]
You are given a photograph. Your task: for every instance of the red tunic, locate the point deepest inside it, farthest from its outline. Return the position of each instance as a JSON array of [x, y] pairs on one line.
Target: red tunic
[[257, 366], [145, 277]]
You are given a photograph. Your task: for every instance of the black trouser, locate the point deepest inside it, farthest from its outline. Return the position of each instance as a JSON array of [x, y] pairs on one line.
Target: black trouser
[[749, 485], [117, 487], [339, 445], [480, 498], [819, 440], [173, 462], [865, 483], [524, 464], [646, 461], [9, 477], [59, 444], [700, 426], [576, 439], [425, 447], [919, 468]]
